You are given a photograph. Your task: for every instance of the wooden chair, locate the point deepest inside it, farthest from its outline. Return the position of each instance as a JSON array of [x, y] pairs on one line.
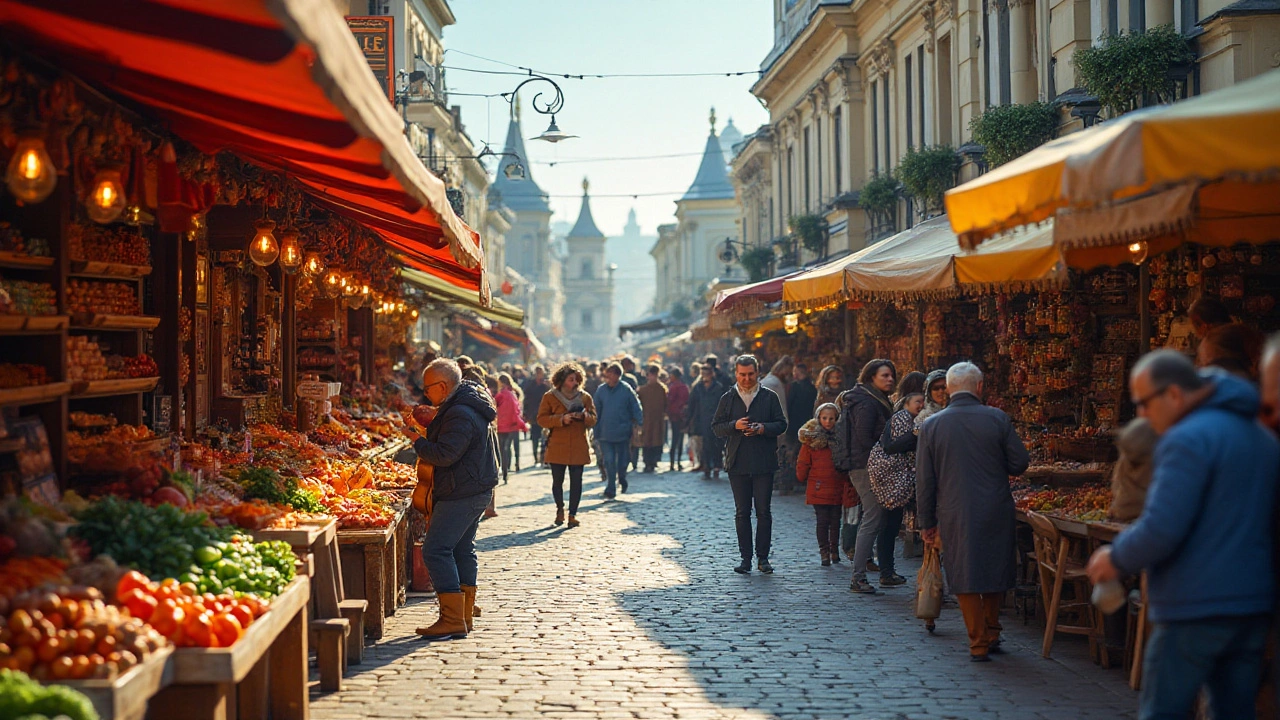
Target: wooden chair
[[1056, 571]]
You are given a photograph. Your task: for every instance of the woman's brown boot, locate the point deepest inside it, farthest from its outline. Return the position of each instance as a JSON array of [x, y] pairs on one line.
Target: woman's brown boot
[[559, 516]]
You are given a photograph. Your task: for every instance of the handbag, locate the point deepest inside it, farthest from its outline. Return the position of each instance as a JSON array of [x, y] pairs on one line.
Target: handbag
[[929, 585]]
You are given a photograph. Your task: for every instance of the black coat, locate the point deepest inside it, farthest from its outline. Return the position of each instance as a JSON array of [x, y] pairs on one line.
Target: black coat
[[533, 392], [702, 407], [862, 420], [964, 459], [801, 397], [462, 445], [758, 454]]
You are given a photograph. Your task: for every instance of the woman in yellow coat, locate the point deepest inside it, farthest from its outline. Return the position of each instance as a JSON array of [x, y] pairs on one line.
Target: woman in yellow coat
[[567, 412]]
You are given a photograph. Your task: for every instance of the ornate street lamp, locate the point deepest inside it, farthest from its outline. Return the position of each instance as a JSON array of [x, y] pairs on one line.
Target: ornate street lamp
[[553, 133]]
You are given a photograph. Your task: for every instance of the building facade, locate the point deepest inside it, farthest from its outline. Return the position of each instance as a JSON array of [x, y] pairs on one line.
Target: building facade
[[590, 330], [851, 87], [687, 255]]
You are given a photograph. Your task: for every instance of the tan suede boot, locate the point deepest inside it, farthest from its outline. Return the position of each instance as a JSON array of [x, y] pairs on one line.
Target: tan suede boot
[[469, 606], [452, 624]]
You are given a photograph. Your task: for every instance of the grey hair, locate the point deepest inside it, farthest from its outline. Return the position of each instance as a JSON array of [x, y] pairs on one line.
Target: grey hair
[[446, 368], [964, 376], [1168, 367], [748, 360]]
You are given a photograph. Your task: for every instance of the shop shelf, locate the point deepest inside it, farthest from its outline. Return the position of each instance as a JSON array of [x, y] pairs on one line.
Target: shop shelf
[[103, 388], [34, 394], [97, 269], [98, 321], [24, 261]]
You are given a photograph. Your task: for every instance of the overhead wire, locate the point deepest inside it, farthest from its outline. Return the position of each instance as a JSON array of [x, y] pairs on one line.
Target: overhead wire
[[580, 76]]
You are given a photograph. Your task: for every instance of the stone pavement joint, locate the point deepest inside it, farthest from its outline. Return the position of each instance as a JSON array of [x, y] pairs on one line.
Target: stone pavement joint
[[638, 614]]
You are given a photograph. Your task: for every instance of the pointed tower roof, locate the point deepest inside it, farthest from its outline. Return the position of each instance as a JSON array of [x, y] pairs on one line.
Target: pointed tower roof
[[519, 195], [729, 137], [712, 181], [586, 225]]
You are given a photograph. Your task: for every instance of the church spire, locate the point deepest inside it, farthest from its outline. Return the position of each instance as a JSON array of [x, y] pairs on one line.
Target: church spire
[[712, 181], [523, 194], [586, 225]]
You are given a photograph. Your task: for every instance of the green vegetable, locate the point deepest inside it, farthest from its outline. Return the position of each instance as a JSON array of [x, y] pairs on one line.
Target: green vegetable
[[20, 696], [207, 556], [266, 484]]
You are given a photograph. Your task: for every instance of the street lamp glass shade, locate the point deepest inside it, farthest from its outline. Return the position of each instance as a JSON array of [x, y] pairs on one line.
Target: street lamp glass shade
[[106, 200], [314, 266], [31, 176], [290, 253], [553, 133], [514, 171], [331, 286], [263, 249]]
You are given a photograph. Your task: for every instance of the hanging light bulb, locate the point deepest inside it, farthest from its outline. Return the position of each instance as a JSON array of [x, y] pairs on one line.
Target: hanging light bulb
[[353, 302], [197, 228], [106, 200], [290, 252], [31, 176], [1138, 252], [350, 288], [314, 266], [263, 249], [366, 295], [332, 284]]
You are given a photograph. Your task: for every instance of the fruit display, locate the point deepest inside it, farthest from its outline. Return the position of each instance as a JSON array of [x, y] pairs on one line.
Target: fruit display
[[316, 359], [12, 240], [317, 329], [20, 574], [392, 474], [112, 449], [165, 541], [103, 297], [138, 366], [262, 483], [23, 697], [362, 509], [1089, 503], [186, 617], [87, 361], [20, 297], [22, 375], [111, 243], [71, 633]]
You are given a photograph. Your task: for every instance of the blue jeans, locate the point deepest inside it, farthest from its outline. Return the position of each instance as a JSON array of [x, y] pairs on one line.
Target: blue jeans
[[1223, 655], [449, 550], [616, 457]]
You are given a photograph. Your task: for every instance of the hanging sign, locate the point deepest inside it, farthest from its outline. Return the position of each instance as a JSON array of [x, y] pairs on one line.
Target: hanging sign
[[374, 36], [315, 390]]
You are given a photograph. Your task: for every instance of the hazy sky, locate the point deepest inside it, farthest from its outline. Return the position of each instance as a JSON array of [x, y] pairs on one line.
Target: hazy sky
[[615, 117]]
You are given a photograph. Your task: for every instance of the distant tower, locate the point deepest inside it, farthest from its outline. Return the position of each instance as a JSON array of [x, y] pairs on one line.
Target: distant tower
[[729, 137], [632, 229], [588, 285]]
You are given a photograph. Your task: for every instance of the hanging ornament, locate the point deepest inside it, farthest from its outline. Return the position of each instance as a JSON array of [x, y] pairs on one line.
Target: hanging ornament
[[350, 288], [197, 228], [314, 266], [31, 175], [263, 249], [331, 286], [134, 214], [366, 295], [290, 252], [106, 200], [507, 287]]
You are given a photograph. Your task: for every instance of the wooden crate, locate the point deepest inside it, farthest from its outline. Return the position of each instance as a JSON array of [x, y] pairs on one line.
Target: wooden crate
[[263, 675], [373, 570], [126, 697]]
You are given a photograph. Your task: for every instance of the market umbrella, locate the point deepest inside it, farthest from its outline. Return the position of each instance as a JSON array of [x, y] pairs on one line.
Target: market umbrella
[[1204, 170]]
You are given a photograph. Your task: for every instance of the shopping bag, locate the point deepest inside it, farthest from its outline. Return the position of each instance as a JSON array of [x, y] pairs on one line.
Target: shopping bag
[[929, 585]]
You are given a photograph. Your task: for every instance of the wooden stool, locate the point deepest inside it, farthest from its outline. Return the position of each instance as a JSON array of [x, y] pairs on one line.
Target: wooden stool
[[331, 651], [353, 612], [1055, 572]]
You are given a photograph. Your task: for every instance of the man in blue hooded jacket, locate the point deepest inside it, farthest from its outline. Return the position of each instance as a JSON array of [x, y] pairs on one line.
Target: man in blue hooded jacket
[[1203, 538], [617, 411]]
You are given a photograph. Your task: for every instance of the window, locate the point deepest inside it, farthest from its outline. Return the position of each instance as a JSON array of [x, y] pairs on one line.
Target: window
[[910, 94], [791, 164], [986, 54], [1188, 14], [1006, 78], [922, 111], [806, 170], [817, 158], [835, 147], [888, 145], [587, 271], [588, 320], [875, 130]]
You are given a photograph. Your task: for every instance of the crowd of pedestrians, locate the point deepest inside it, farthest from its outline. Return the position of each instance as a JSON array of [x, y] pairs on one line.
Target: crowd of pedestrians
[[1197, 477]]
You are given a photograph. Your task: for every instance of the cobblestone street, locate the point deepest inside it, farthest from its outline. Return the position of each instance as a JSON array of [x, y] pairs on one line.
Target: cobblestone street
[[638, 614]]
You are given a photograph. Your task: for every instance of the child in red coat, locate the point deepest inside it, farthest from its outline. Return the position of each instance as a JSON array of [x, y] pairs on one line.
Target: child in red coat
[[826, 485]]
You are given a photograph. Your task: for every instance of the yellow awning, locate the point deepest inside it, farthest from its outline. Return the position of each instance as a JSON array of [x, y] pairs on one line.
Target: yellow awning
[[1230, 135], [500, 311]]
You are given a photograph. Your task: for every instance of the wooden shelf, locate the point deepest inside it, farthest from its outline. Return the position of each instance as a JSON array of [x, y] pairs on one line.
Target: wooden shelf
[[32, 324], [34, 394], [24, 261], [96, 321], [103, 388], [126, 696], [10, 445], [97, 269]]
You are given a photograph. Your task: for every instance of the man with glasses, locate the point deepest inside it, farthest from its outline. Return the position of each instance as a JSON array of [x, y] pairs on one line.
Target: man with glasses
[[1204, 538]]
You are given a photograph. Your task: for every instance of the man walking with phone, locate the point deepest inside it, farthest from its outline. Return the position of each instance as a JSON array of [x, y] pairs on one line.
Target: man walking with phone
[[749, 419]]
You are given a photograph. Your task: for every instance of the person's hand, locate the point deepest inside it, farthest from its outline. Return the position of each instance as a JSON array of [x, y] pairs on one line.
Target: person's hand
[[566, 418], [930, 536], [1100, 568], [743, 424], [412, 434]]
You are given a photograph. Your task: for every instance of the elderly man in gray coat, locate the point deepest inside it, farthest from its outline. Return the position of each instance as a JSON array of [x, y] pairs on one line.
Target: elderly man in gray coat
[[964, 458]]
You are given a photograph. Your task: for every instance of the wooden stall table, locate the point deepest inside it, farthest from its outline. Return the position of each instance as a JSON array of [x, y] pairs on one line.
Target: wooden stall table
[[316, 541], [372, 569], [264, 675], [126, 697]]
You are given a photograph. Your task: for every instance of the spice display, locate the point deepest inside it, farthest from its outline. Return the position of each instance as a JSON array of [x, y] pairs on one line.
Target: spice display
[[316, 359], [22, 375], [108, 243], [20, 297], [102, 297], [317, 329], [86, 361]]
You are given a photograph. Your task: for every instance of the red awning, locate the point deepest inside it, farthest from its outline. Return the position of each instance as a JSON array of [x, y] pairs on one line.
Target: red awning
[[764, 291], [281, 83]]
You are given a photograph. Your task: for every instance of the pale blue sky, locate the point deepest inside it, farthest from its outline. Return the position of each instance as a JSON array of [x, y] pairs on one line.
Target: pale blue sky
[[614, 117]]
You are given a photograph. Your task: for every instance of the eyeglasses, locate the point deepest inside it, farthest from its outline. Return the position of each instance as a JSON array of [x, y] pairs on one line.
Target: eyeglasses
[[438, 382], [1143, 402]]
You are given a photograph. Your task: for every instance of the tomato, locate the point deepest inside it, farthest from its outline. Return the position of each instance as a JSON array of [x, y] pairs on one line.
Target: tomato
[[106, 645], [189, 589], [81, 667], [243, 613], [227, 629], [131, 580], [26, 657], [199, 630], [62, 668], [166, 618], [138, 603], [85, 641], [47, 650], [20, 621]]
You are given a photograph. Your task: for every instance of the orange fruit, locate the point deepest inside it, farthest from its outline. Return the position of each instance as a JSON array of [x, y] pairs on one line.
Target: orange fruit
[[227, 629], [132, 580], [242, 613], [199, 630]]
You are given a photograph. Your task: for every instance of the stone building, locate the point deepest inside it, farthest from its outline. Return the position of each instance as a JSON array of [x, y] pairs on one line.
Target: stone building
[[588, 287]]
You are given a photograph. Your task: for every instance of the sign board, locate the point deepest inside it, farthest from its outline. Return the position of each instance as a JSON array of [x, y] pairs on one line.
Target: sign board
[[161, 414], [315, 390], [35, 462], [374, 36]]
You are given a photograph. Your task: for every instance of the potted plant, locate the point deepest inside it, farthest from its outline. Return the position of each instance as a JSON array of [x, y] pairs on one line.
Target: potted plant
[[926, 174], [1130, 70], [1007, 131]]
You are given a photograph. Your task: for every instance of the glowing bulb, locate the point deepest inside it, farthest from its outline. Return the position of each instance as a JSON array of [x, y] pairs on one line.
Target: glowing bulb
[[314, 266], [791, 322], [413, 314], [332, 284], [197, 228], [31, 176], [349, 287], [106, 201], [263, 249], [290, 252], [1138, 251]]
